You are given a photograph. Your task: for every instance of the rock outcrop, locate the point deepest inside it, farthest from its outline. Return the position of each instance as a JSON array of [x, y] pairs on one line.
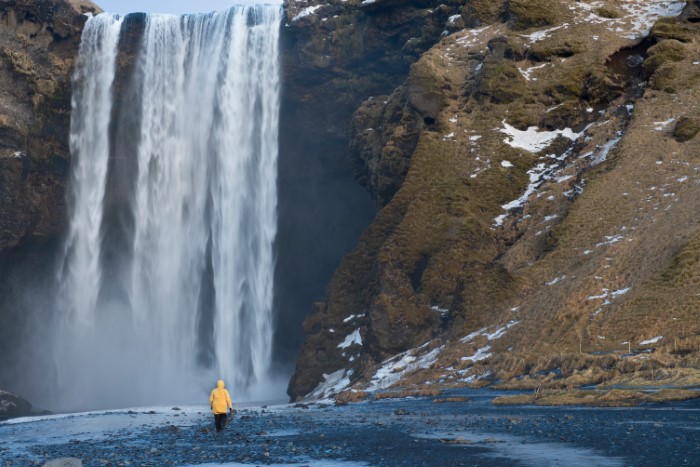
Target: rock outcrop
[[38, 44], [536, 178], [12, 405]]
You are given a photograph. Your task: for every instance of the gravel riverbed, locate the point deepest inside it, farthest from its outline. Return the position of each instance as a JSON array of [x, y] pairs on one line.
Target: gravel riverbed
[[403, 432]]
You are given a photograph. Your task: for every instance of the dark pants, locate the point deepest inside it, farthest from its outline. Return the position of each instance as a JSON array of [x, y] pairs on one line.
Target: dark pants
[[220, 421]]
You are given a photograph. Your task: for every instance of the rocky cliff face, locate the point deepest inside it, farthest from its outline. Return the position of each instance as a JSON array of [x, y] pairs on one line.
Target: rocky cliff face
[[533, 165], [335, 55], [538, 187], [38, 44]]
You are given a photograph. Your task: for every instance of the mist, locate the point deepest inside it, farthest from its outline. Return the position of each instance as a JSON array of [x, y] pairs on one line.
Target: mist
[[134, 320]]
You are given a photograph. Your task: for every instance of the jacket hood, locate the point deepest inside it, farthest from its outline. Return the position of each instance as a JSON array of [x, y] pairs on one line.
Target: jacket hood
[[220, 384]]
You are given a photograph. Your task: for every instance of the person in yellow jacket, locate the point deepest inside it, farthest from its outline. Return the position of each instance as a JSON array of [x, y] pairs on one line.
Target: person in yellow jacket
[[220, 401]]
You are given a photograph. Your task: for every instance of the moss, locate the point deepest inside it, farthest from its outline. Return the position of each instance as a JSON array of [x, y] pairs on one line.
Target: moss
[[665, 78], [685, 262], [500, 82], [525, 14], [608, 12], [480, 12], [507, 47], [672, 28], [686, 129], [553, 47], [424, 89], [664, 52]]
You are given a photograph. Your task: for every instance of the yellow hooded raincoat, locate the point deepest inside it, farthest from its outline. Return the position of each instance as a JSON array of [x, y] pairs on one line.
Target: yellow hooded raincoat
[[220, 399]]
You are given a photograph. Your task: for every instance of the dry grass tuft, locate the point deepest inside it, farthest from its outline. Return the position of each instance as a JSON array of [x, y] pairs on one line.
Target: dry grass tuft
[[612, 398], [450, 399], [350, 397], [417, 392]]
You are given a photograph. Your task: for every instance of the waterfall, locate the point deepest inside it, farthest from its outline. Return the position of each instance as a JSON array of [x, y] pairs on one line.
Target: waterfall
[[185, 295]]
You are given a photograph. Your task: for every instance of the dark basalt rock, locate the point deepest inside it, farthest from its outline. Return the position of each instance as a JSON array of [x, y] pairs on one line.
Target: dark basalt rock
[[38, 44], [12, 405]]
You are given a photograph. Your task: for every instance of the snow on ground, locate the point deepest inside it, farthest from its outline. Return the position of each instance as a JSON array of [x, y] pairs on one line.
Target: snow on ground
[[527, 73], [638, 16], [661, 126], [497, 334], [481, 354], [611, 240], [351, 317], [308, 11], [607, 297], [472, 37], [352, 339], [501, 331], [332, 384], [651, 341], [539, 35], [533, 140], [556, 280], [394, 368], [537, 176]]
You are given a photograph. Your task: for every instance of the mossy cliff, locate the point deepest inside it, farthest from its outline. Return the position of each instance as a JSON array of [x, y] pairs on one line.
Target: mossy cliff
[[571, 261], [38, 44]]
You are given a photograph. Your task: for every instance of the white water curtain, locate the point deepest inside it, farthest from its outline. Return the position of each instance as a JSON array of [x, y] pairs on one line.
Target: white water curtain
[[205, 197]]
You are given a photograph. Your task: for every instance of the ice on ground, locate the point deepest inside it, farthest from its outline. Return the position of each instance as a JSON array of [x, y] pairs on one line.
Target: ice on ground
[[526, 451], [394, 368], [651, 341], [27, 433], [323, 463], [533, 140], [351, 339], [506, 164]]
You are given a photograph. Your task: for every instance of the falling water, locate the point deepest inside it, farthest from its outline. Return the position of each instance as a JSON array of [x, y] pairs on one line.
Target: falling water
[[195, 263]]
